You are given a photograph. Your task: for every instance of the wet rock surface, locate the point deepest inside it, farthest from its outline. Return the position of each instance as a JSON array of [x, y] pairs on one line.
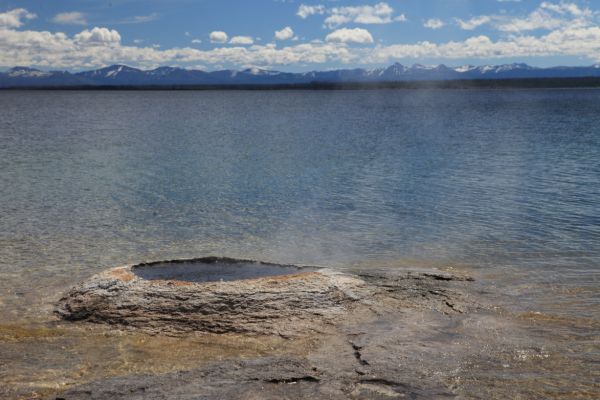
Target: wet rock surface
[[299, 300], [281, 378], [377, 335]]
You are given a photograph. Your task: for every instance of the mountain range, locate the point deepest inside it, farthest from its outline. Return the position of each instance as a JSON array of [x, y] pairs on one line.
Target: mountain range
[[122, 75]]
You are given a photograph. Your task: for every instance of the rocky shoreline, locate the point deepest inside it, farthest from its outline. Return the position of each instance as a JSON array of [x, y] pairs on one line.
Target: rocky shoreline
[[287, 332], [380, 333]]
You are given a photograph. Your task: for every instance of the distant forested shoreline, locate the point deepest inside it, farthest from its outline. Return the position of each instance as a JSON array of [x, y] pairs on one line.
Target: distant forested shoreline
[[518, 83]]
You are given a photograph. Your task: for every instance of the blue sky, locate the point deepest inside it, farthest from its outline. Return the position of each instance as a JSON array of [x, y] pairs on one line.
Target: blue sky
[[294, 35]]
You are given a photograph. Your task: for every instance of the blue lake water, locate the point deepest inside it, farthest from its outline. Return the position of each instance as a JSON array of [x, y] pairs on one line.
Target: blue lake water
[[504, 184], [494, 180]]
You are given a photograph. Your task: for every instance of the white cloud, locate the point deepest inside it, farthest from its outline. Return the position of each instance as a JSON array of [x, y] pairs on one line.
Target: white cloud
[[102, 46], [196, 41], [57, 50], [345, 35], [566, 8], [284, 34], [242, 40], [578, 41], [70, 18], [140, 19], [547, 16], [380, 13], [474, 22], [305, 11], [536, 20], [98, 36], [218, 37], [14, 18], [434, 23]]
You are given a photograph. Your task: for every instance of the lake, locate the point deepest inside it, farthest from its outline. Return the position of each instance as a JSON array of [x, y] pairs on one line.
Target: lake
[[503, 184]]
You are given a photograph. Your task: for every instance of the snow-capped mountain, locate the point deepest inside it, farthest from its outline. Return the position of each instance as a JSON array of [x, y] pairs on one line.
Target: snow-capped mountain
[[122, 75], [112, 72], [25, 76], [25, 72]]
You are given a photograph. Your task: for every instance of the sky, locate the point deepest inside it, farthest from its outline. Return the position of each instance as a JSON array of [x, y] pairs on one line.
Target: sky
[[290, 35]]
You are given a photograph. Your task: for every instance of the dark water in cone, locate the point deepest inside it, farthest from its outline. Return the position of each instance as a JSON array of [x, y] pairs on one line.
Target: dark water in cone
[[201, 271]]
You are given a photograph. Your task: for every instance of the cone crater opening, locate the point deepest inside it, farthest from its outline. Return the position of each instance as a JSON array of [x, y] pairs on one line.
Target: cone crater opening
[[213, 270]]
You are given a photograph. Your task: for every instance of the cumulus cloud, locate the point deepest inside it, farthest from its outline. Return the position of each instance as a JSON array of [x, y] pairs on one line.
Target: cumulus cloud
[[576, 41], [70, 18], [345, 35], [218, 37], [14, 18], [305, 11], [284, 34], [102, 46], [98, 36], [241, 40], [434, 23], [196, 41], [57, 50], [380, 13]]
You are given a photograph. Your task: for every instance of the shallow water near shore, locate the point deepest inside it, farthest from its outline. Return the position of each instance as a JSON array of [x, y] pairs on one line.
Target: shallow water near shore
[[501, 185]]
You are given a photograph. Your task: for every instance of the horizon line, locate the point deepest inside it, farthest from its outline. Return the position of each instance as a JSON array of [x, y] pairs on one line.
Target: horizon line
[[431, 66]]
